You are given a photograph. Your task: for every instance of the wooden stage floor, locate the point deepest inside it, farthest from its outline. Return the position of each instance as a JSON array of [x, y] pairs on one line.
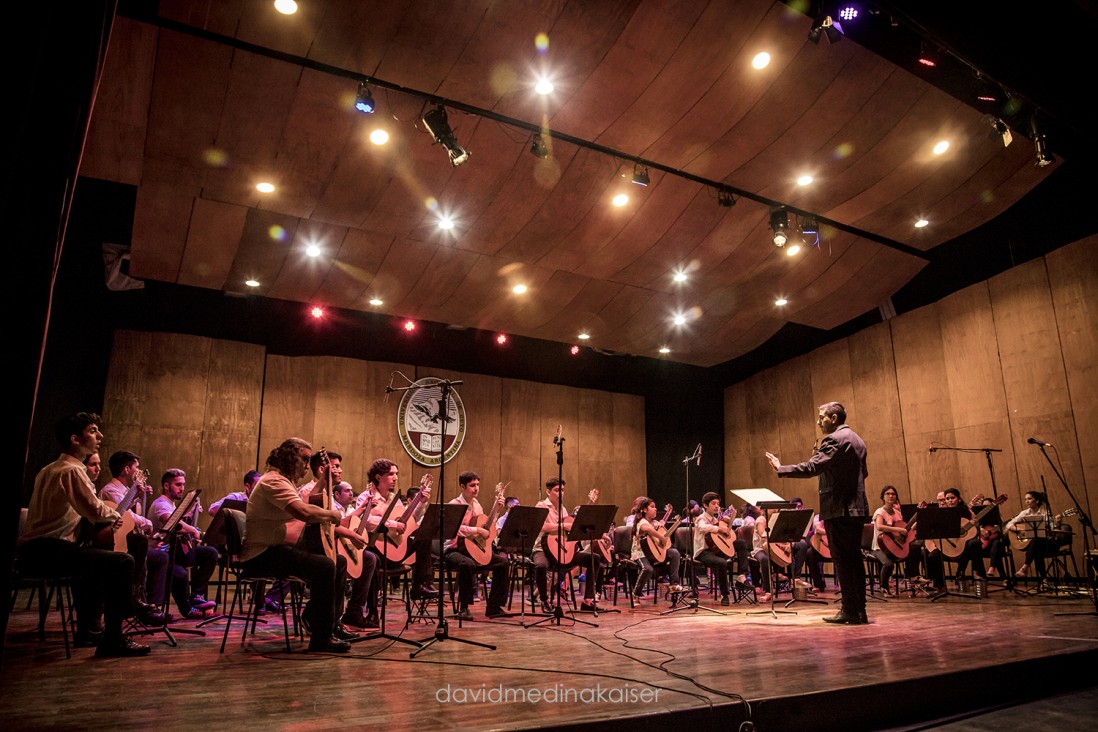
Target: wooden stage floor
[[916, 660]]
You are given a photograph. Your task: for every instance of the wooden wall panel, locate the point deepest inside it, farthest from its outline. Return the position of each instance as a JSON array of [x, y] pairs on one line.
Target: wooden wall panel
[[737, 448], [873, 374], [521, 443], [1073, 276]]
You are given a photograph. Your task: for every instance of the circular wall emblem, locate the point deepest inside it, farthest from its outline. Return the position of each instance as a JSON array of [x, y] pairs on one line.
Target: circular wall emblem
[[418, 422]]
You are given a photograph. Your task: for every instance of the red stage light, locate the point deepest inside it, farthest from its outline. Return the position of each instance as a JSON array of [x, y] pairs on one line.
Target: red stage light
[[317, 312], [574, 350], [501, 339], [409, 325]]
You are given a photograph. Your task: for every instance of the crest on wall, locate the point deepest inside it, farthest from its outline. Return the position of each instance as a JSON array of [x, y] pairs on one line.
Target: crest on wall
[[421, 427]]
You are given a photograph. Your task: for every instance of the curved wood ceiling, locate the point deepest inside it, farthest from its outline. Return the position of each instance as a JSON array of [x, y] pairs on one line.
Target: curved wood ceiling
[[195, 123]]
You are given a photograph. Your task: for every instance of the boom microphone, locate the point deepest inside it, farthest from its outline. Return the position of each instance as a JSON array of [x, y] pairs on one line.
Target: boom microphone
[[699, 454], [1035, 441]]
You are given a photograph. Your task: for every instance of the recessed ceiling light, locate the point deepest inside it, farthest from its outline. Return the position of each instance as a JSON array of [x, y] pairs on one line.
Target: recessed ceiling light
[[312, 250], [761, 60], [665, 349], [376, 301], [679, 320], [679, 277], [518, 289], [584, 336], [544, 86], [921, 223], [792, 250], [265, 187], [620, 200], [804, 180], [941, 147], [781, 301], [379, 137], [251, 283], [286, 7], [445, 223]]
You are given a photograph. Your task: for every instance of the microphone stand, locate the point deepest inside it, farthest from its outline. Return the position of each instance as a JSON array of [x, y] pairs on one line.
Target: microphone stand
[[1088, 529], [442, 628]]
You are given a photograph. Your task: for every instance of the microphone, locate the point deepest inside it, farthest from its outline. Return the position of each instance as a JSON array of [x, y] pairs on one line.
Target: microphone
[[699, 454], [389, 388], [1035, 441], [935, 449], [557, 439]]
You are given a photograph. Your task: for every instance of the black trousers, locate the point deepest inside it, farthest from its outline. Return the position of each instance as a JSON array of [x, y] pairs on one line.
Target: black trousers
[[845, 535], [104, 580], [719, 564], [324, 578], [542, 563], [467, 569]]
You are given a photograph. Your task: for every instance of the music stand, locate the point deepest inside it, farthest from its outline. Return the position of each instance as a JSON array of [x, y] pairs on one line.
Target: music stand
[[453, 514], [768, 501], [379, 536], [791, 526], [522, 523], [591, 521], [171, 531], [937, 523]]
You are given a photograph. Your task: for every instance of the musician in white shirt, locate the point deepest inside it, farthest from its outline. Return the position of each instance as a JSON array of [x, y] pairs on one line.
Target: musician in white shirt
[[189, 553], [557, 519], [457, 556]]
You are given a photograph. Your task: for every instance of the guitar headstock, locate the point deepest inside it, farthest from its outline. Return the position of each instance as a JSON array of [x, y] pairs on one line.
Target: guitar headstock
[[501, 488], [593, 495], [1000, 500], [1068, 513], [426, 481], [322, 455]]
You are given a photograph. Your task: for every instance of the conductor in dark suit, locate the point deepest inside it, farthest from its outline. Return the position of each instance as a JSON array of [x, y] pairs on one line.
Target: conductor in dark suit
[[840, 463]]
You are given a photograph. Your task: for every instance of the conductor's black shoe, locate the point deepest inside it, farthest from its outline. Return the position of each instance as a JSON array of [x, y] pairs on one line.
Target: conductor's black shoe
[[341, 633], [842, 618], [123, 647], [328, 645], [463, 614]]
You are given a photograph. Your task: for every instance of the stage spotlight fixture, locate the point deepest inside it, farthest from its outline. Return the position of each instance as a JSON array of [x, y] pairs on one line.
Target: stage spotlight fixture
[[848, 12], [779, 224], [810, 226], [999, 131], [828, 26], [1040, 145], [438, 125], [640, 175], [725, 199], [538, 147], [364, 100]]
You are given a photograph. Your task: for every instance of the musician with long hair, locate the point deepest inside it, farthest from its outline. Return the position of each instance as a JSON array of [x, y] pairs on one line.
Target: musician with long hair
[[885, 521], [1038, 548], [202, 559], [644, 526]]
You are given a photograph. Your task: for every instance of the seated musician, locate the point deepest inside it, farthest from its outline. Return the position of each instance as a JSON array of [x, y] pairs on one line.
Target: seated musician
[[804, 554], [275, 519], [251, 479], [150, 560], [511, 503], [383, 476], [558, 519], [987, 542], [63, 494], [931, 556], [1036, 548], [361, 609], [886, 520], [190, 597], [645, 528], [456, 555], [707, 523]]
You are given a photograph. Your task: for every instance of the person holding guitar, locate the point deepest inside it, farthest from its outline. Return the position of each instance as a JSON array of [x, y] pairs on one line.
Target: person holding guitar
[[804, 553], [708, 523], [558, 517], [150, 561], [888, 520], [645, 527], [63, 494], [477, 529], [1036, 548], [361, 611], [202, 559], [383, 476], [276, 516]]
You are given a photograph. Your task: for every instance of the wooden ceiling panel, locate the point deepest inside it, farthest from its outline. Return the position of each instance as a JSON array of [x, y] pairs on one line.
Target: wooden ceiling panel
[[352, 33], [116, 133], [554, 300], [404, 265], [261, 255], [439, 282], [213, 236], [301, 276], [423, 50], [161, 216]]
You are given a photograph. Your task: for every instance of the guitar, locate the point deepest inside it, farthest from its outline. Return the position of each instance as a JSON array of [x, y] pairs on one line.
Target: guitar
[[109, 536], [1021, 541], [821, 545], [480, 547], [655, 547], [719, 542], [953, 548], [327, 528], [357, 525], [562, 550], [899, 548], [395, 546], [605, 546]]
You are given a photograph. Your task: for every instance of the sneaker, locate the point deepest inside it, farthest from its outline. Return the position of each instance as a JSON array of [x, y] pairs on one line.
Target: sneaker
[[725, 601], [123, 647], [193, 613], [202, 603], [588, 606], [764, 597]]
